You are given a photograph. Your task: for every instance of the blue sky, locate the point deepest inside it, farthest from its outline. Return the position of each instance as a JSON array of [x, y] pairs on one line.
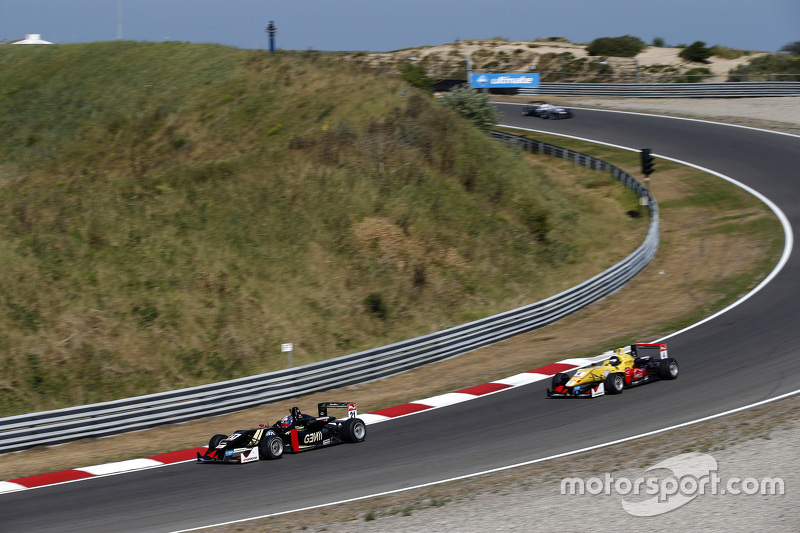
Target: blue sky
[[383, 25]]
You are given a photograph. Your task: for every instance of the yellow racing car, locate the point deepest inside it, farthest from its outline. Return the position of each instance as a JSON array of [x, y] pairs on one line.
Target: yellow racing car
[[644, 363]]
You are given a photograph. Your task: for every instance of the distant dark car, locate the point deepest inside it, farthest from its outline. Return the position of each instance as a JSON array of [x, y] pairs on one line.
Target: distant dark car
[[295, 432], [531, 108], [538, 108]]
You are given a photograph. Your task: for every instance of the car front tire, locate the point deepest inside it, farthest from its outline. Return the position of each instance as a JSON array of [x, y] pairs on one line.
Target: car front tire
[[560, 379], [214, 441], [615, 383], [271, 447]]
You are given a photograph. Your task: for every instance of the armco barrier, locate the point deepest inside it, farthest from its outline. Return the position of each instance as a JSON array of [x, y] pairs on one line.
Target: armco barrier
[[130, 414], [669, 90]]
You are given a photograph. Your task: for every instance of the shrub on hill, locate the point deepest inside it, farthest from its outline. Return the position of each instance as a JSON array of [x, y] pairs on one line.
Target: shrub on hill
[[625, 46], [696, 52], [693, 75], [724, 52], [473, 105], [792, 48], [760, 68], [415, 74]]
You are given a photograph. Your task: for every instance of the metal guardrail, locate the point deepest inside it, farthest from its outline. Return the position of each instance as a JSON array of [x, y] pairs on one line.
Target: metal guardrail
[[130, 414], [669, 90]]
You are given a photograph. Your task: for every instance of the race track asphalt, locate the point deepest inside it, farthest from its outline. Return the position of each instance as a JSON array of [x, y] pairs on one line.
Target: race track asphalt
[[750, 350]]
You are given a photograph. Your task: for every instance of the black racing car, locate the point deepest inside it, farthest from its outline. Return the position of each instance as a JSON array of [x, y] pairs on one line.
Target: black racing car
[[295, 432], [538, 108], [532, 108]]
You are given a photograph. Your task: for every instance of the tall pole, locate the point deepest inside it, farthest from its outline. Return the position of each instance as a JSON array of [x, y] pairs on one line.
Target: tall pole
[[119, 20], [271, 31]]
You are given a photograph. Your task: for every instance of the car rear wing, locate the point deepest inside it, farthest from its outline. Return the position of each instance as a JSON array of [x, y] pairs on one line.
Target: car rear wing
[[352, 408], [653, 351]]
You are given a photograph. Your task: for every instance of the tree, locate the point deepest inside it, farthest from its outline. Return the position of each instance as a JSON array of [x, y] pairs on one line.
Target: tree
[[625, 46], [473, 105], [658, 42], [792, 48], [696, 52], [416, 75]]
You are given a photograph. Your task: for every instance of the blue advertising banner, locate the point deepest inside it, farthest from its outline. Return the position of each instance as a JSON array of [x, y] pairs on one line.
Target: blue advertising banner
[[503, 81]]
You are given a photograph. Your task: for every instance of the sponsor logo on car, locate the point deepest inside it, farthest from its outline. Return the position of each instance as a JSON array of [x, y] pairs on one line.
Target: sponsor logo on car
[[312, 437], [252, 456]]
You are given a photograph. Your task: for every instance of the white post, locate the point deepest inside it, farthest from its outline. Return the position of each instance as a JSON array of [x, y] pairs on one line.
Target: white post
[[288, 347]]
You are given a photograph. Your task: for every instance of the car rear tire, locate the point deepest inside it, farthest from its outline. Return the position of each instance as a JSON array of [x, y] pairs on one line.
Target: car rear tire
[[615, 383], [354, 430], [668, 369], [560, 379], [271, 447]]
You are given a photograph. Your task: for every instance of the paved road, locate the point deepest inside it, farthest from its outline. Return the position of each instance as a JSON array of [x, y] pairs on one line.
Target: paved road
[[506, 428]]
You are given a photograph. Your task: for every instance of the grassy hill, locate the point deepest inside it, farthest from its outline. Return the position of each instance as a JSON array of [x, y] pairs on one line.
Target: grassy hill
[[173, 212]]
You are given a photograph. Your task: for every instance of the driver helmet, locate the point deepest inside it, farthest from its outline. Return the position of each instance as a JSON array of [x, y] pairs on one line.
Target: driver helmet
[[287, 421], [614, 361]]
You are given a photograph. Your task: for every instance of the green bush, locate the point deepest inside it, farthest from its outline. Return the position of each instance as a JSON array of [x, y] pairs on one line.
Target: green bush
[[376, 306], [696, 52], [792, 48], [625, 46], [695, 75], [473, 105], [765, 65], [724, 52], [415, 74]]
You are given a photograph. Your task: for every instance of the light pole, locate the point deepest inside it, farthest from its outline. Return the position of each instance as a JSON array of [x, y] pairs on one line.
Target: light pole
[[271, 31], [119, 20]]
